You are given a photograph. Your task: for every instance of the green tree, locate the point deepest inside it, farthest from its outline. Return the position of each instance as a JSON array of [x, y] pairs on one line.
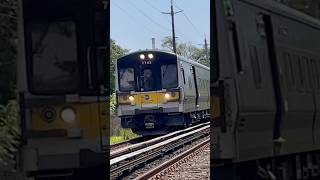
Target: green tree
[[187, 50], [8, 46], [9, 135], [116, 51], [9, 132]]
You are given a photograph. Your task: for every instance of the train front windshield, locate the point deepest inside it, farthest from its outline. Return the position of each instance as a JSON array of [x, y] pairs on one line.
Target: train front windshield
[[126, 76], [53, 56], [135, 74], [168, 78]]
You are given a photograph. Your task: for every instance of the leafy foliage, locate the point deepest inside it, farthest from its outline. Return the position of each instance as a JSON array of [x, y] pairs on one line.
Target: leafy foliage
[[187, 50], [113, 103], [8, 46], [9, 134], [115, 52], [122, 135]]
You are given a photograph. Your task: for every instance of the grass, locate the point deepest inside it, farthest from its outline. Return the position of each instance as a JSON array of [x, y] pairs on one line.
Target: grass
[[124, 135], [116, 139]]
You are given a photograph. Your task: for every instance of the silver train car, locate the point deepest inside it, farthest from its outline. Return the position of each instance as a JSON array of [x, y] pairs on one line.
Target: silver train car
[[158, 92], [266, 91]]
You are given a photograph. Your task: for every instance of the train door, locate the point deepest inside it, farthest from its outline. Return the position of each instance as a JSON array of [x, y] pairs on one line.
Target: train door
[[194, 74], [256, 101], [295, 99], [189, 100]]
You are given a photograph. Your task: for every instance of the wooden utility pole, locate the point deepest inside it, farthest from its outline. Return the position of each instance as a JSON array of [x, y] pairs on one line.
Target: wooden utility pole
[[172, 13]]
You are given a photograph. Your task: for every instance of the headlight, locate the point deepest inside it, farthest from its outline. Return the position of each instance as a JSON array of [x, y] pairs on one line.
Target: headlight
[[142, 56], [68, 115], [126, 100], [150, 56], [167, 96], [171, 97]]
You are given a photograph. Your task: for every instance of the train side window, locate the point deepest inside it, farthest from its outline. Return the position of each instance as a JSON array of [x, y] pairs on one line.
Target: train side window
[[296, 73], [288, 70], [228, 8], [301, 74], [255, 66], [291, 66], [183, 75], [318, 72], [233, 34], [169, 77], [314, 79], [306, 72]]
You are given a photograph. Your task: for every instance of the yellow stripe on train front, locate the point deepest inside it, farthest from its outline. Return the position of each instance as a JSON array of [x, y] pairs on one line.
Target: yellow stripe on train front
[[151, 98], [91, 119]]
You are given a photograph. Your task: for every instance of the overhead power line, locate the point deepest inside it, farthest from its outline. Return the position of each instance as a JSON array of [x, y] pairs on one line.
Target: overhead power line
[[188, 19], [151, 5], [182, 36], [132, 17], [149, 18]]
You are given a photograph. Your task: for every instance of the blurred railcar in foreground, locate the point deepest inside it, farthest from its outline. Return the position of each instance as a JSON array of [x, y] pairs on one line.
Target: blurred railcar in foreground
[[266, 91], [159, 91], [62, 80]]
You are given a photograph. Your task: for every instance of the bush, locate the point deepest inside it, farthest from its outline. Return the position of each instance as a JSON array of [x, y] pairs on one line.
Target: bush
[[127, 134], [113, 103], [9, 134]]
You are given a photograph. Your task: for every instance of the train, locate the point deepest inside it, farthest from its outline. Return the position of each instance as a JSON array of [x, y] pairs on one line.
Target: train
[[158, 92], [62, 88], [265, 91]]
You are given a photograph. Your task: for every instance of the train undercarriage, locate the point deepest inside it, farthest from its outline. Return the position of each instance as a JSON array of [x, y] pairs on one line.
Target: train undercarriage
[[162, 123], [295, 166]]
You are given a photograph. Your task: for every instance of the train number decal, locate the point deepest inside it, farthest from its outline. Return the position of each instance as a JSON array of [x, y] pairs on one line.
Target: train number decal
[[146, 62]]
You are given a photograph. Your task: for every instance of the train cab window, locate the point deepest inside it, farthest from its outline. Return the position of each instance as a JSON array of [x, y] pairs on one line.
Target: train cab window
[[169, 78], [301, 75], [126, 79], [148, 80], [53, 57]]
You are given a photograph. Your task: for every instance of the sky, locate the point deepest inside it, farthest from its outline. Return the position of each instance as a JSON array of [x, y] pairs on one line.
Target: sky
[[134, 22]]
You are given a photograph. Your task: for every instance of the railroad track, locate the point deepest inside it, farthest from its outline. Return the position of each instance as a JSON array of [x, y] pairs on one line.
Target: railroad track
[[125, 160], [127, 143], [165, 168], [142, 142]]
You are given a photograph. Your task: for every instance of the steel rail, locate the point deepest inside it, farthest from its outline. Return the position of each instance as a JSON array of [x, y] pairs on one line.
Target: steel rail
[[129, 142], [134, 147], [156, 173], [127, 162]]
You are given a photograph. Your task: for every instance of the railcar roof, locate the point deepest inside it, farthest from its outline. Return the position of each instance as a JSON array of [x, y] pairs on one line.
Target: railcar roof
[[168, 52]]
